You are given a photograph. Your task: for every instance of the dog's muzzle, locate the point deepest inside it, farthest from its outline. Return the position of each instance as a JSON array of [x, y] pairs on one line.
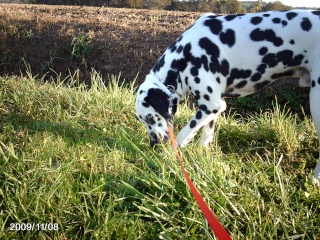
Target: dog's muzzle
[[154, 139]]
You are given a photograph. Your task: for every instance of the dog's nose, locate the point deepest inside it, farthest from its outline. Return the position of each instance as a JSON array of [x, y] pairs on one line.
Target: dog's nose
[[165, 139], [153, 143], [153, 139]]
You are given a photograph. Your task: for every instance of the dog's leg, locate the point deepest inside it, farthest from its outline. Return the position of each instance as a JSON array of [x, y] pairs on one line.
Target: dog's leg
[[207, 133], [208, 130], [315, 111], [206, 115]]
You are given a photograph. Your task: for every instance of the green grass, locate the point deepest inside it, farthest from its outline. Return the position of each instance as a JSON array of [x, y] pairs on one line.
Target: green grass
[[80, 158]]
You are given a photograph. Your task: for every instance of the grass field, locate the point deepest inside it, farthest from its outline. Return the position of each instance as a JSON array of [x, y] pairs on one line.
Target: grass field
[[78, 159]]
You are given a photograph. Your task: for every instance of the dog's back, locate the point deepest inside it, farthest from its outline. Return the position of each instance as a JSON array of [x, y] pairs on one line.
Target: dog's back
[[231, 56]]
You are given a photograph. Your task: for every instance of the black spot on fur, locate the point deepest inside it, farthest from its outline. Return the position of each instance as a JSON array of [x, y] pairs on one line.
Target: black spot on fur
[[204, 108], [209, 89], [263, 50], [291, 15], [215, 25], [297, 60], [193, 123], [197, 80], [187, 81], [194, 71], [230, 81], [210, 47], [179, 39], [206, 97], [180, 65], [173, 47], [319, 80], [285, 57], [228, 37], [187, 52], [284, 23], [239, 73], [159, 64], [276, 20], [266, 15], [256, 77], [292, 42], [230, 17], [172, 77], [146, 105], [288, 59], [199, 115], [205, 62], [270, 59], [218, 80], [224, 70], [316, 13], [313, 83], [214, 64], [262, 68], [157, 116], [306, 25], [197, 63], [269, 35], [180, 48], [241, 84], [256, 20], [245, 73]]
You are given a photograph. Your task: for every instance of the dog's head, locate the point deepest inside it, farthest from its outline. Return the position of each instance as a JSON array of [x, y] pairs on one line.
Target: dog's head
[[154, 109]]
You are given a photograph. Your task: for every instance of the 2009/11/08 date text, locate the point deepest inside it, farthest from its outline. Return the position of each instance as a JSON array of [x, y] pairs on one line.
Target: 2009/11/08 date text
[[34, 227]]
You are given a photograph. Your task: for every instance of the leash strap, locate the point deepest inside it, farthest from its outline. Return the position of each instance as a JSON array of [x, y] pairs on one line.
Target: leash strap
[[213, 222]]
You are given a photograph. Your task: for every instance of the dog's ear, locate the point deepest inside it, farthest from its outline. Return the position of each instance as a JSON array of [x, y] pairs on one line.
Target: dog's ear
[[160, 101]]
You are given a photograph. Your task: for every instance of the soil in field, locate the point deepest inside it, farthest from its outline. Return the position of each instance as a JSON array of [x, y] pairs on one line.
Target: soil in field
[[59, 39]]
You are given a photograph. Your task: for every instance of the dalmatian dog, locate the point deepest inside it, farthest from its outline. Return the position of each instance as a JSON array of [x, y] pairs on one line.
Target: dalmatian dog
[[220, 57]]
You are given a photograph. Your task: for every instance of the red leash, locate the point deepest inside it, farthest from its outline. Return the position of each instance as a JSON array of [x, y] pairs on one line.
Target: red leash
[[214, 223]]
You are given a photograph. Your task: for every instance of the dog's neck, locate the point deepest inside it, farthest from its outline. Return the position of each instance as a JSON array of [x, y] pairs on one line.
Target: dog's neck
[[154, 80], [169, 89]]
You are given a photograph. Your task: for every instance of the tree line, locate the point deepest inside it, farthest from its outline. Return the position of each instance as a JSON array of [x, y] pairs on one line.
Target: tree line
[[216, 6]]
